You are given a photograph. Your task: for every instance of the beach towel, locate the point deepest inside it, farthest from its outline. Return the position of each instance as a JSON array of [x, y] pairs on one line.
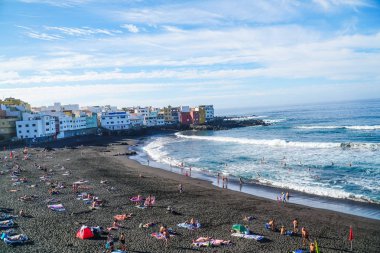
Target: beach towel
[[57, 208], [7, 232], [6, 224], [5, 216], [81, 182], [118, 251], [121, 217], [208, 242], [300, 251], [189, 226], [159, 236], [289, 233], [249, 236], [136, 199], [141, 207], [16, 239]]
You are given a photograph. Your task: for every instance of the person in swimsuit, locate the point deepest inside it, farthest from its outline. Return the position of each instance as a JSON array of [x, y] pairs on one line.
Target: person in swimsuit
[[295, 226], [305, 236], [122, 240]]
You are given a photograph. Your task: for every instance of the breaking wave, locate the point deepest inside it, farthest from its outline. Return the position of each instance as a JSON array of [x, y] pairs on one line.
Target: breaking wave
[[376, 127], [281, 143]]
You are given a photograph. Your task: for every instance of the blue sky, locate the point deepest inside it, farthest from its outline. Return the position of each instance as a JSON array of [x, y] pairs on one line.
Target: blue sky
[[229, 53]]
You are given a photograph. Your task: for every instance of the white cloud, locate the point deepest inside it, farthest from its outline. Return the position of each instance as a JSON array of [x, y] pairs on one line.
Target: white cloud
[[57, 3], [329, 5], [131, 28], [83, 31]]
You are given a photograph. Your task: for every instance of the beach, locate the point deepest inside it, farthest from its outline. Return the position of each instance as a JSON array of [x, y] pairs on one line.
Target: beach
[[122, 178]]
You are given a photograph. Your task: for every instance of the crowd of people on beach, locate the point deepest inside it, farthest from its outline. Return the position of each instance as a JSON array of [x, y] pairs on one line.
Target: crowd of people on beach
[[164, 232]]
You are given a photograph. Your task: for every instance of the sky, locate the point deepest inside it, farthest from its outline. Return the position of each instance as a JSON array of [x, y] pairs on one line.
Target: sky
[[187, 52]]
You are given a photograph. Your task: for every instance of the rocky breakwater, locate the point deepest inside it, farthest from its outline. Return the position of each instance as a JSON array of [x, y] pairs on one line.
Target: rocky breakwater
[[225, 123]]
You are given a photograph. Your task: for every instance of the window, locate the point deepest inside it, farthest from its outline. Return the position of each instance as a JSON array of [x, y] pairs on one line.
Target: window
[[35, 131], [19, 132], [34, 125], [19, 125], [27, 131], [27, 125], [47, 123]]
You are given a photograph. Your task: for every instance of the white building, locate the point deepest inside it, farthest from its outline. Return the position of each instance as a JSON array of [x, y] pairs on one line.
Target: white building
[[136, 120], [184, 108], [151, 119], [209, 111], [143, 111], [160, 119], [36, 126], [115, 120]]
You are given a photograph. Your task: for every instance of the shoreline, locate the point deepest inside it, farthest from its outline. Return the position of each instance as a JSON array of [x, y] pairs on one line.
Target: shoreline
[[217, 209], [347, 206]]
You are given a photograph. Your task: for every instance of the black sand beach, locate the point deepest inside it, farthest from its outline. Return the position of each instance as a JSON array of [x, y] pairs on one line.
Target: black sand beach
[[216, 209]]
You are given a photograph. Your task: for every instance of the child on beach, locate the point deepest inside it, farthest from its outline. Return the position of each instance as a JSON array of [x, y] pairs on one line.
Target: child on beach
[[312, 248]]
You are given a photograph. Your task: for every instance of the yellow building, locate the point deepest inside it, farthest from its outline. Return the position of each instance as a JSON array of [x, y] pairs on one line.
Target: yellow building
[[167, 111], [202, 115], [7, 128]]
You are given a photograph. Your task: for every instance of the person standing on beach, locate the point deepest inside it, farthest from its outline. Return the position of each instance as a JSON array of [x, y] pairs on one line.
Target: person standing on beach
[[305, 236], [122, 241], [295, 226], [148, 162], [180, 188]]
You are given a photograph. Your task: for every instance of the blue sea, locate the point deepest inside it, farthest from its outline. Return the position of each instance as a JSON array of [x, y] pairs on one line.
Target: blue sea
[[330, 150]]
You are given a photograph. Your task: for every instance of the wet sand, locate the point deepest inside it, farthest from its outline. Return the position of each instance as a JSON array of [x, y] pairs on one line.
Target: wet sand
[[217, 209]]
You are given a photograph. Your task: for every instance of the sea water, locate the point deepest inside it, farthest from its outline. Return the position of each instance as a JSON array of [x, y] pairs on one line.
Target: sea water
[[329, 150]]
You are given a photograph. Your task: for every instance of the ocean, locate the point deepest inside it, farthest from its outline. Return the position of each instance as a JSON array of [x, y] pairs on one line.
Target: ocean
[[327, 150]]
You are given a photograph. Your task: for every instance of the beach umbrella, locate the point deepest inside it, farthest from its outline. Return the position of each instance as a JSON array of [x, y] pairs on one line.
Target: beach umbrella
[[316, 246], [239, 228], [351, 236]]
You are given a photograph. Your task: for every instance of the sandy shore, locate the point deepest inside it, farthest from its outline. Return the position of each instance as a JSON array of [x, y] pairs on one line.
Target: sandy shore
[[217, 209]]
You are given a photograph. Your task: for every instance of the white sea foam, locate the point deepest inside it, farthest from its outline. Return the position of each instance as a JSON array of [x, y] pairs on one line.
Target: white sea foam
[[376, 127], [273, 121], [242, 118], [314, 189], [280, 142]]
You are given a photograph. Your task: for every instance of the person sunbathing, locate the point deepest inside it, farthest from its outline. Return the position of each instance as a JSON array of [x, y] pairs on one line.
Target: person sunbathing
[[150, 224], [21, 213], [203, 239], [192, 222], [248, 218]]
